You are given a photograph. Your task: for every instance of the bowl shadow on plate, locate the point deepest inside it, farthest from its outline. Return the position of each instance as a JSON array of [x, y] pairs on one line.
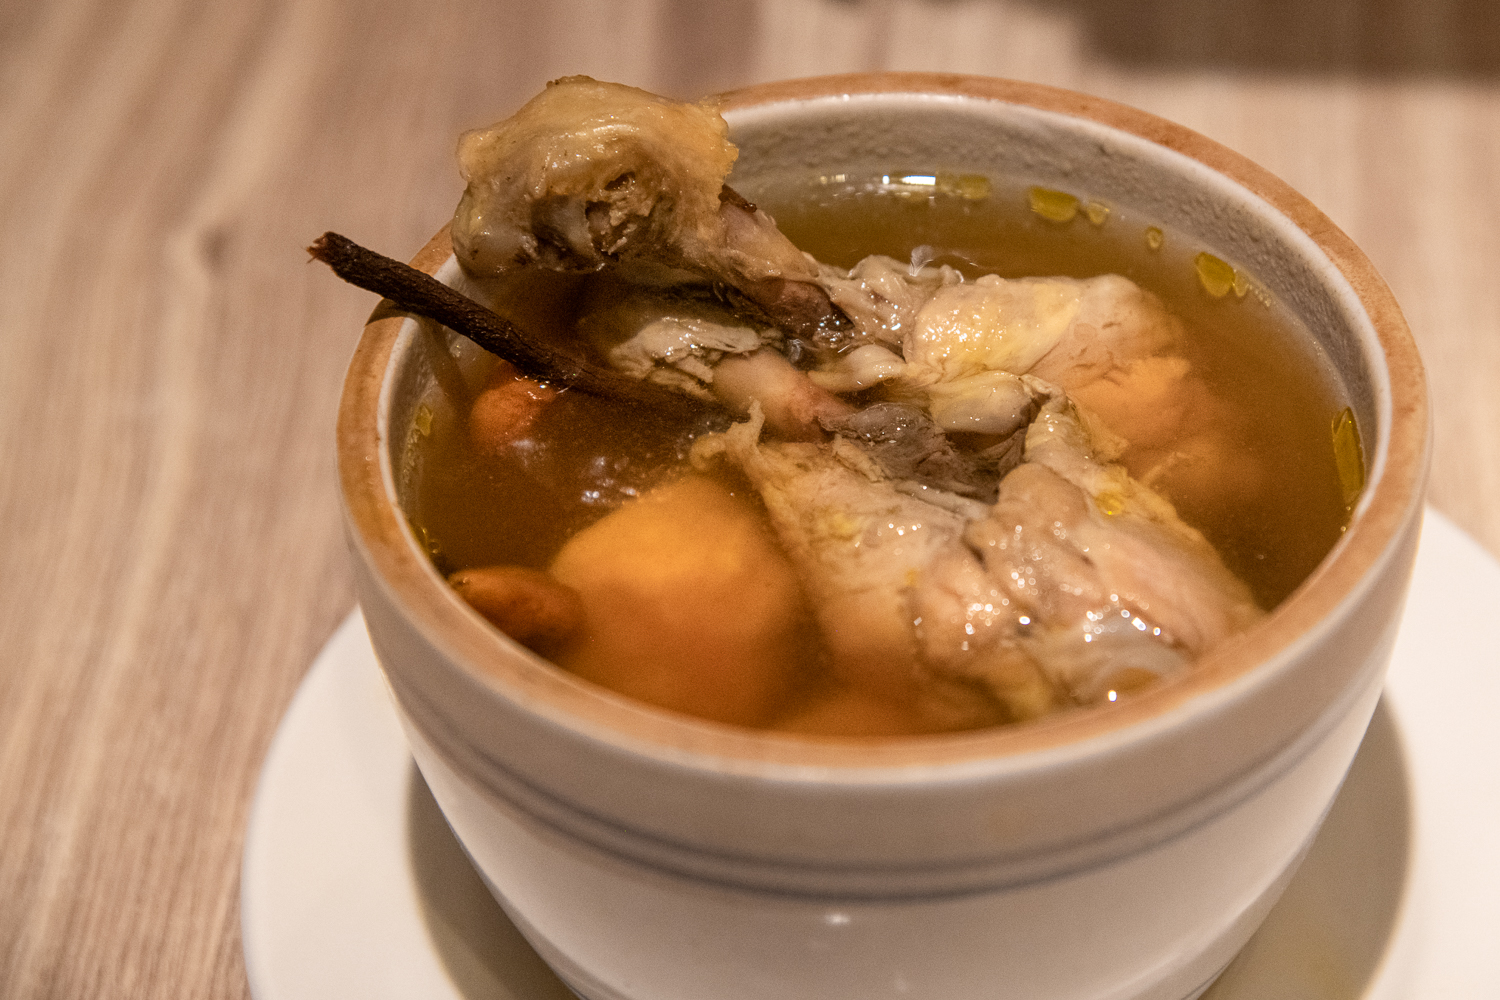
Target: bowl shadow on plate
[[1324, 940], [1327, 936], [481, 950]]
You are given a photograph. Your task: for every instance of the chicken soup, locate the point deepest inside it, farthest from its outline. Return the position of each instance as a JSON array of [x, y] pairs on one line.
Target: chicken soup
[[971, 452]]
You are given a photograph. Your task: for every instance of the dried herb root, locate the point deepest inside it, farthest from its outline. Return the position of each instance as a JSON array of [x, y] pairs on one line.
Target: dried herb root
[[422, 294]]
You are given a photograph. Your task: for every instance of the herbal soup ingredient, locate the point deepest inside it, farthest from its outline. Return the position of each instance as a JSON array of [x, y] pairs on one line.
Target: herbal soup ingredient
[[923, 520]]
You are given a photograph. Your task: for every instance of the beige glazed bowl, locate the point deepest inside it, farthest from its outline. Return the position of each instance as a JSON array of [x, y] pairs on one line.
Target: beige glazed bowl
[[1121, 853]]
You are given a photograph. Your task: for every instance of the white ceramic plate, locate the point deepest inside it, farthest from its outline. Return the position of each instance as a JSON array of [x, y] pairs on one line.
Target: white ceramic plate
[[353, 885]]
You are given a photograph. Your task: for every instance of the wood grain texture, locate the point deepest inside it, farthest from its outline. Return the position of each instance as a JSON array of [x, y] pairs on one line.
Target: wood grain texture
[[172, 555]]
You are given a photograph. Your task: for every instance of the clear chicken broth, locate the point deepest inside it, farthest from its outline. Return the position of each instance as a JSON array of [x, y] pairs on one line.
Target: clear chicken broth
[[584, 457]]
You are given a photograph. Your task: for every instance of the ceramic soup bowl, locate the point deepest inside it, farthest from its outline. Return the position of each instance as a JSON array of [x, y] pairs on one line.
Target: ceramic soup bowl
[[1126, 852]]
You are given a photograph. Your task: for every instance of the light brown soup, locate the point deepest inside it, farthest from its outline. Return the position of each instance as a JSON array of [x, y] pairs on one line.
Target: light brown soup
[[584, 457], [1252, 352]]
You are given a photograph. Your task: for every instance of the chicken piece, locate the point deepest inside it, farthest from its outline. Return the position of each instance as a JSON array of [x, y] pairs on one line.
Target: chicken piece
[[1111, 345], [1184, 437], [905, 609], [856, 542], [1104, 340], [1117, 588], [688, 604], [588, 172], [590, 175], [910, 448], [1079, 581], [858, 369], [794, 407], [697, 345], [1065, 330], [666, 335], [882, 296], [993, 403], [1069, 332], [966, 342]]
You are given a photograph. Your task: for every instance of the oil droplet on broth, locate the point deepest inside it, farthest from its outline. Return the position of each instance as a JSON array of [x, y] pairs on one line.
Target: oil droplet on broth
[[1348, 456], [1097, 212], [1054, 206], [1218, 278], [1154, 238]]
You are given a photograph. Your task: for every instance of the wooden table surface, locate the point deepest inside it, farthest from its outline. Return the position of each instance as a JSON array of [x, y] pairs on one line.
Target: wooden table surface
[[170, 363]]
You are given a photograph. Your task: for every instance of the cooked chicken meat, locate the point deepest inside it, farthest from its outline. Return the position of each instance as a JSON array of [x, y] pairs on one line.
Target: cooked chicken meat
[[876, 563], [959, 346], [690, 340], [1117, 589], [956, 469], [590, 176], [1078, 581]]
